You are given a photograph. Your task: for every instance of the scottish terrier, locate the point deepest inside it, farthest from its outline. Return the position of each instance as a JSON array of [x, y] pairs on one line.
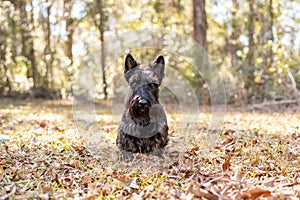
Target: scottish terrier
[[144, 125]]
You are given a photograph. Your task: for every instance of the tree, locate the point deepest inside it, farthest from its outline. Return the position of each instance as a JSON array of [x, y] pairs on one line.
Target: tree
[[68, 44], [250, 68], [48, 54], [200, 29], [27, 40], [232, 39], [31, 55], [101, 27], [200, 22]]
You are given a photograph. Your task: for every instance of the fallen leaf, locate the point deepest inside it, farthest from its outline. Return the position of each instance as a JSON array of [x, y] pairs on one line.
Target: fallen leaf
[[86, 180], [105, 189], [46, 189], [74, 163], [3, 162], [228, 141], [36, 175], [67, 179], [79, 148], [43, 124], [133, 184], [90, 197], [123, 178], [59, 129], [291, 184], [254, 142], [202, 193], [257, 158], [217, 147], [255, 193], [226, 163]]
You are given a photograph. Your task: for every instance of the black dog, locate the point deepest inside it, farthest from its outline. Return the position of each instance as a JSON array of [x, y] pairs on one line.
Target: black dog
[[144, 125]]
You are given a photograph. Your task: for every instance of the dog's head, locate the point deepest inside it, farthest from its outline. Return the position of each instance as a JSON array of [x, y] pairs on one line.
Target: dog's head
[[144, 87]]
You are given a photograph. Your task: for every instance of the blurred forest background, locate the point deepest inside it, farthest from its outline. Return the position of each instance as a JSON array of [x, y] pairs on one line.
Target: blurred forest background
[[255, 44]]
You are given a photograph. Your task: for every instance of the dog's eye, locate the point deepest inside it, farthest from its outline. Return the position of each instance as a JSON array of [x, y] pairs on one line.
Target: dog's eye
[[135, 84], [153, 85]]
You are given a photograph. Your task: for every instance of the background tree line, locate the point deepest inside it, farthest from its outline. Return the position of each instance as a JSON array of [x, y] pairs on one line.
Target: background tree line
[[254, 44]]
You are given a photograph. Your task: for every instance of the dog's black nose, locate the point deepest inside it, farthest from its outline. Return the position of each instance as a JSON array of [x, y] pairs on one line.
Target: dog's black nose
[[142, 102]]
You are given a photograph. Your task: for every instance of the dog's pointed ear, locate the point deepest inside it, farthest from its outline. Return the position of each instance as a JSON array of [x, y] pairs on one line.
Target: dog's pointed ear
[[129, 63], [159, 67], [160, 60]]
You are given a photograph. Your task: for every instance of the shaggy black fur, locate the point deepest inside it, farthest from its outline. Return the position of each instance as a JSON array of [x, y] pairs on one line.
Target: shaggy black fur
[[144, 125]]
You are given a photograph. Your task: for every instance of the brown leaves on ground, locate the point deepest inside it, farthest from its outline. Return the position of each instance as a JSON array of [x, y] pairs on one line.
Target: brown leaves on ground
[[120, 177], [226, 164], [256, 157], [203, 192], [255, 193], [79, 148]]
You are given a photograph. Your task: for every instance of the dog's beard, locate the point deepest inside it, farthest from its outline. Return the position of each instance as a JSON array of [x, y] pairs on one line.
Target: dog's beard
[[139, 115], [156, 122], [143, 119]]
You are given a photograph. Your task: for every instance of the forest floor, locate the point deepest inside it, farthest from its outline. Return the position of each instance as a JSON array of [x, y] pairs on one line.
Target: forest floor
[[256, 156]]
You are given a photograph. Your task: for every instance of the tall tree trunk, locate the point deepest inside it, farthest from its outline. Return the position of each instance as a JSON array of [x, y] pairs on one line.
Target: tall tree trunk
[[270, 31], [267, 42], [32, 52], [250, 57], [200, 29], [232, 43], [47, 51], [8, 81], [101, 30], [200, 22], [6, 71], [2, 56], [31, 57], [68, 4], [27, 41]]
